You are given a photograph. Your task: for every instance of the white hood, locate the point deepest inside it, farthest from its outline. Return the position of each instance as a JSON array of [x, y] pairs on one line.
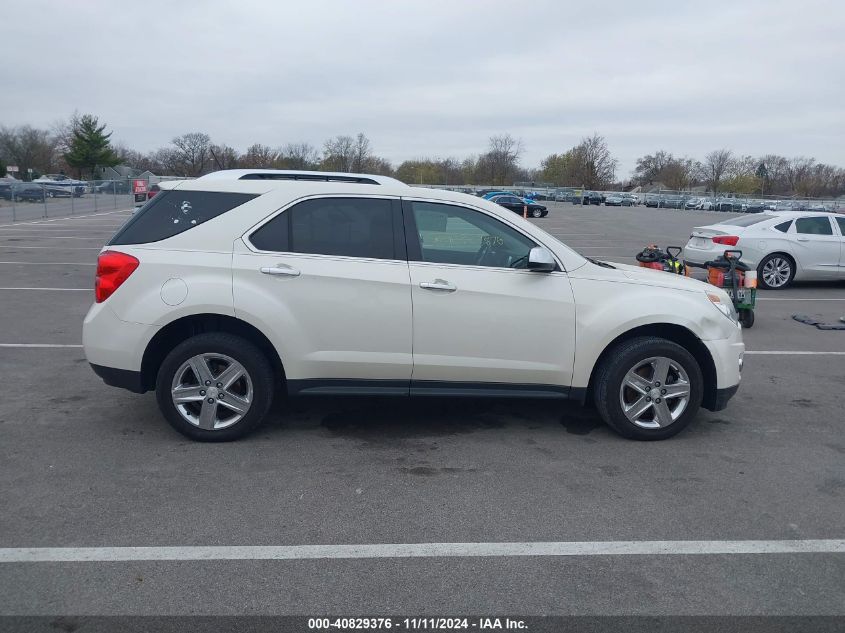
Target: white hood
[[640, 275]]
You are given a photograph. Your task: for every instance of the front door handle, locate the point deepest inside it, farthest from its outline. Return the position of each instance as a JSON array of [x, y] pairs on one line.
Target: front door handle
[[438, 284], [803, 239], [280, 271]]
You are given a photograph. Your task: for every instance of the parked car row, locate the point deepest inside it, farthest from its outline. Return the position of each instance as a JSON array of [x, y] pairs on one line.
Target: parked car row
[[732, 204], [46, 187]]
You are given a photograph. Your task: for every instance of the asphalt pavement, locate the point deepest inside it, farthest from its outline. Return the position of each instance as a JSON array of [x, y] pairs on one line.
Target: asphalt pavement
[[83, 465]]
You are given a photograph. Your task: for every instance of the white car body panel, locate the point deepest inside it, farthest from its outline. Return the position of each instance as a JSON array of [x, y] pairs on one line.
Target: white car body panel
[[341, 317], [499, 325]]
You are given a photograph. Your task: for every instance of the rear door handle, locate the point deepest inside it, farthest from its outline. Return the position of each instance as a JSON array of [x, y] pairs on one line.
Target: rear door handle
[[438, 284], [280, 271], [803, 239]]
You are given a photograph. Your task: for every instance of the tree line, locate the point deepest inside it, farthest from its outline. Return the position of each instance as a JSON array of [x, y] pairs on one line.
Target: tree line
[[722, 170], [81, 145]]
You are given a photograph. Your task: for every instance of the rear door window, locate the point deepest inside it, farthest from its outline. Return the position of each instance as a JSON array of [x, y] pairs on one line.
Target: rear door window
[[813, 226], [347, 227], [172, 212], [841, 223]]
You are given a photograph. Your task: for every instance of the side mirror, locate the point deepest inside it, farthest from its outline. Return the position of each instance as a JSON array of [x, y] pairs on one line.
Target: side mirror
[[541, 260]]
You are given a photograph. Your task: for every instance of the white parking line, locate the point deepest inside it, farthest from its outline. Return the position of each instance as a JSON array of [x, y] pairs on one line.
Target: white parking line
[[61, 248], [791, 353], [51, 237], [69, 217], [61, 289], [53, 263], [14, 230], [38, 345], [801, 299], [416, 550]]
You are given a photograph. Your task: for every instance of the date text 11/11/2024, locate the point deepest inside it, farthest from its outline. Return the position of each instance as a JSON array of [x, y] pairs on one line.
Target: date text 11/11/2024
[[416, 624]]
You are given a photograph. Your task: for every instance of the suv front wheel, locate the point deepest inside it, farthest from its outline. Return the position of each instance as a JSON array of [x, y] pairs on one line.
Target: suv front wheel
[[215, 387], [648, 388]]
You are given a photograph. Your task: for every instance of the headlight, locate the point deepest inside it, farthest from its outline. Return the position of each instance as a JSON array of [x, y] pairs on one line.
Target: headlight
[[723, 305]]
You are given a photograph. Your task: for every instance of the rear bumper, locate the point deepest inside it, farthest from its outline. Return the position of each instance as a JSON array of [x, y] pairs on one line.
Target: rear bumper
[[123, 378]]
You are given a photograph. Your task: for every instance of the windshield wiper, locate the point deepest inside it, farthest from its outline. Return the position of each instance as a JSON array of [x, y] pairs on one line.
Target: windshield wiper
[[598, 263]]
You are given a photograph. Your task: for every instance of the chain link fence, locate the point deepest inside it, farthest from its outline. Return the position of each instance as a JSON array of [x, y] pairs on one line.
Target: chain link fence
[[44, 198], [739, 203]]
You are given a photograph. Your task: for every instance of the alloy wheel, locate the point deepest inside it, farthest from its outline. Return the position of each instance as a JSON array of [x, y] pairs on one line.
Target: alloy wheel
[[655, 392], [776, 272], [212, 391]]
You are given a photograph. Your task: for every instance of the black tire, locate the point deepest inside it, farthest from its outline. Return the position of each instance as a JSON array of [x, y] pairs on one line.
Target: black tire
[[624, 357], [769, 258], [746, 318], [253, 360], [536, 213]]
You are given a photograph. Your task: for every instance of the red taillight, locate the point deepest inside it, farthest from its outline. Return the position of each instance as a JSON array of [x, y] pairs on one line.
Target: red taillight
[[727, 240], [113, 269]]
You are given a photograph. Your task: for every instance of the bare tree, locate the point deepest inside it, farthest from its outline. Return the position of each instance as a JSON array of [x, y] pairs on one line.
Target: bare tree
[[192, 153], [377, 165], [298, 156], [361, 153], [679, 173], [224, 157], [169, 161], [650, 167], [715, 165], [29, 148], [502, 158], [258, 156], [62, 131], [593, 162], [797, 174], [338, 154]]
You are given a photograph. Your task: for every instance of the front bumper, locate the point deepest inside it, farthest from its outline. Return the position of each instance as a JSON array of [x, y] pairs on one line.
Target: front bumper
[[722, 396], [728, 355]]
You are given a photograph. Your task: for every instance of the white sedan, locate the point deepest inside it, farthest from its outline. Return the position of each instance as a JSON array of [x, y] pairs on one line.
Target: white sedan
[[781, 246]]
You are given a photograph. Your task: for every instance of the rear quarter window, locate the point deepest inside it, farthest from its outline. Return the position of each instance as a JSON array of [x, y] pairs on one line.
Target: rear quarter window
[[748, 220], [172, 212]]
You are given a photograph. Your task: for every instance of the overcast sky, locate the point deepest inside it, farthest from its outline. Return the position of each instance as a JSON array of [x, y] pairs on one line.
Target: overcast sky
[[438, 78]]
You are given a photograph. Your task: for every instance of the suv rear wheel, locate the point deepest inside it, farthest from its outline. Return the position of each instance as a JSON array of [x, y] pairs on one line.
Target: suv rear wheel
[[215, 387], [648, 388]]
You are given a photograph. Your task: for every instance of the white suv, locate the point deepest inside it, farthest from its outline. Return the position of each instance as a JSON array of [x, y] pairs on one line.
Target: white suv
[[224, 289]]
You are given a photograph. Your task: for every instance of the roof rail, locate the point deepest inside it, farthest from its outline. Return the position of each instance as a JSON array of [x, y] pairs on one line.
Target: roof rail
[[293, 174]]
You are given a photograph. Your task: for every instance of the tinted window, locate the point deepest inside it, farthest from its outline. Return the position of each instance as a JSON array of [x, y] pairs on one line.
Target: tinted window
[[813, 226], [169, 213], [841, 223], [455, 235], [273, 236], [783, 227], [349, 227], [749, 220]]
